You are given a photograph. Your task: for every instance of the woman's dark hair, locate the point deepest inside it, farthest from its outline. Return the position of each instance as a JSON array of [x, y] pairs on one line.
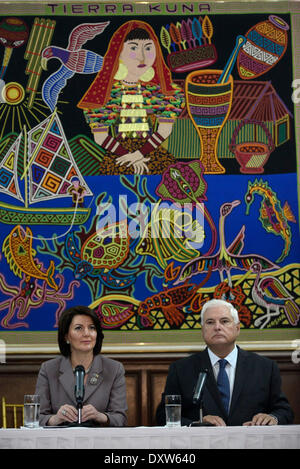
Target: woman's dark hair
[[64, 322], [137, 33]]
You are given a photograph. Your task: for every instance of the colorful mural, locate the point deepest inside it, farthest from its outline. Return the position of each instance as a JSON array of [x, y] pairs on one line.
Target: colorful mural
[[148, 163]]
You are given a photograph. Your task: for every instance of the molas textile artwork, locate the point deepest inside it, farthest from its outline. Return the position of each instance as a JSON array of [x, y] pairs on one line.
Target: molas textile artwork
[[148, 163]]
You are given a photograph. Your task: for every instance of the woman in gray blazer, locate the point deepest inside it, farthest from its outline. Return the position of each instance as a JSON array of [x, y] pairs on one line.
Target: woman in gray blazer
[[80, 339]]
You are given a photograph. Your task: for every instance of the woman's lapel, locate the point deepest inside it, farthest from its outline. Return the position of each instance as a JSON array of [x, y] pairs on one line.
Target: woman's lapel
[[94, 378]]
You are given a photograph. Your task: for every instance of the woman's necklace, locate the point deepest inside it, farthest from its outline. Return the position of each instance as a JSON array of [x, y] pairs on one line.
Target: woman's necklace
[[87, 370], [133, 115], [129, 82]]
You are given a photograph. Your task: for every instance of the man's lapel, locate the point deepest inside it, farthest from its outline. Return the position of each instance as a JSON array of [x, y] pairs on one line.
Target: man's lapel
[[240, 378]]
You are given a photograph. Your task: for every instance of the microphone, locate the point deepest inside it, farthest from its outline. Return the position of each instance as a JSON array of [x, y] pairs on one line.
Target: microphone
[[79, 388], [199, 387], [197, 399]]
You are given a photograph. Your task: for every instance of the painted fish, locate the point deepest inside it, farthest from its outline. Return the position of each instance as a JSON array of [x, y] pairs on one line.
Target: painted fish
[[19, 253], [169, 234], [183, 183]]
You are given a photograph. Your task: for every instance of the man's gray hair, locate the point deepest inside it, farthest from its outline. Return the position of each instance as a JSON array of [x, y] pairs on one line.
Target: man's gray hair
[[215, 302]]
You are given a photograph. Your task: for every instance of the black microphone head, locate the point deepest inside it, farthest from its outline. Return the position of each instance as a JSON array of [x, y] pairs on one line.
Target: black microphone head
[[79, 384], [79, 369], [199, 386]]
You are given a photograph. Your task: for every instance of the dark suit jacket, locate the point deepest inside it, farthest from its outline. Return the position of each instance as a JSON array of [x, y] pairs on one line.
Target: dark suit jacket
[[257, 388], [107, 392]]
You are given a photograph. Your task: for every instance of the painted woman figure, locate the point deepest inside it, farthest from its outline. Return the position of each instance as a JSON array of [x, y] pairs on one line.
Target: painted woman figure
[[132, 104]]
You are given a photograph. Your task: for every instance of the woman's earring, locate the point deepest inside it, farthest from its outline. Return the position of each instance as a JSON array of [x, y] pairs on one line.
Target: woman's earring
[[148, 75], [122, 71]]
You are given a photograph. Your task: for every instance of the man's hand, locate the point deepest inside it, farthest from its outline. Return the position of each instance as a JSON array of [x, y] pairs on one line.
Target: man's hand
[[262, 419], [214, 420]]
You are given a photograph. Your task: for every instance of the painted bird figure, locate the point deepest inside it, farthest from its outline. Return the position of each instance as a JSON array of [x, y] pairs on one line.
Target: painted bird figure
[[270, 293], [74, 59], [227, 257]]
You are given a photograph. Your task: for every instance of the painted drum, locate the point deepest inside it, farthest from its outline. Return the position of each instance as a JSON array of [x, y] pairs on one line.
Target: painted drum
[[266, 44]]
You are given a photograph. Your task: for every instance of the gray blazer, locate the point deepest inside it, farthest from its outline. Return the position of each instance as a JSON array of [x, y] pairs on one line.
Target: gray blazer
[[105, 388]]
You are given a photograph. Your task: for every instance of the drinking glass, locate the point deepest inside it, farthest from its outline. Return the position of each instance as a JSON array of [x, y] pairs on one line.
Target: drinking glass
[[31, 410], [173, 410]]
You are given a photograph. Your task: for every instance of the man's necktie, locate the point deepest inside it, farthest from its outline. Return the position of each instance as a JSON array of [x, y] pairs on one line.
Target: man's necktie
[[223, 384]]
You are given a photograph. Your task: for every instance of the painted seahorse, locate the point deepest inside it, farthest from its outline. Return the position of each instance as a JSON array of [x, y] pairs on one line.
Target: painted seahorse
[[273, 217]]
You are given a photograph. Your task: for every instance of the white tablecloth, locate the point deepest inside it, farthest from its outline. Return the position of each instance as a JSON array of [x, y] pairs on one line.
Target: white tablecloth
[[184, 438]]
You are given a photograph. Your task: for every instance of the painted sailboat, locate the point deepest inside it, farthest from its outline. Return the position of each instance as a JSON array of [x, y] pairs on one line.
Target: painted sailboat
[[49, 172]]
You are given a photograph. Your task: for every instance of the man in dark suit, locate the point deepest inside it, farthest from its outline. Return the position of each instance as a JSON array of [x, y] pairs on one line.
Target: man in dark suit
[[242, 388]]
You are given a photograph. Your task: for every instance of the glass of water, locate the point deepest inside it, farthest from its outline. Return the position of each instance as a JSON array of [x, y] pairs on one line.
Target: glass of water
[[31, 410], [173, 410]]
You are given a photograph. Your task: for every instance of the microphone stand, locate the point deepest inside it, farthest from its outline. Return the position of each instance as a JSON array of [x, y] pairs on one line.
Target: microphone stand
[[200, 423], [79, 420], [79, 408]]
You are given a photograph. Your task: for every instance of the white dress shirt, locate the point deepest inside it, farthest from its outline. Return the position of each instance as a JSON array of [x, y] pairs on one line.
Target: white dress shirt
[[230, 366]]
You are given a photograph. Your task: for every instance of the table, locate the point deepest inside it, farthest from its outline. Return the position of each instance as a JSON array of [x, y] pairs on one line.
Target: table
[[131, 438]]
